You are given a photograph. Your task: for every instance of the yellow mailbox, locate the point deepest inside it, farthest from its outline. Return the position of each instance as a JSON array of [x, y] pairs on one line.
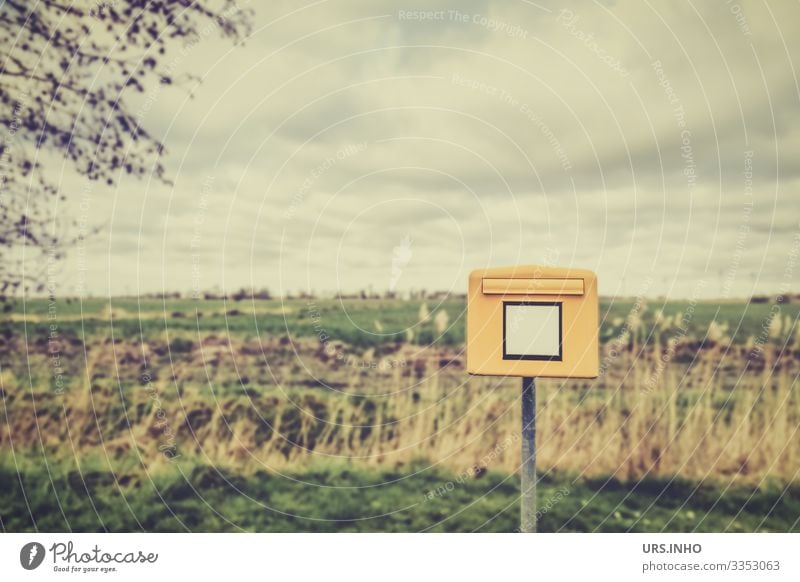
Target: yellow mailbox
[[532, 321]]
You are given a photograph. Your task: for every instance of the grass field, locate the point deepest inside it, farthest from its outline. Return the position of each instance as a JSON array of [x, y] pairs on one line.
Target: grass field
[[350, 321], [351, 499], [326, 415]]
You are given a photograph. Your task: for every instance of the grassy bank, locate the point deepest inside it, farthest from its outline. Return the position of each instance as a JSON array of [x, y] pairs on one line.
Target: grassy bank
[[107, 393], [201, 498]]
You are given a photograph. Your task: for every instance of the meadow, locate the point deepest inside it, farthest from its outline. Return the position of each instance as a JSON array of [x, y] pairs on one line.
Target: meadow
[[357, 415]]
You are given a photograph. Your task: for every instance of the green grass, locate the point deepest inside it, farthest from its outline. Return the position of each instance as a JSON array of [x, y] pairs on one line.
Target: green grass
[[350, 321], [345, 499], [193, 496]]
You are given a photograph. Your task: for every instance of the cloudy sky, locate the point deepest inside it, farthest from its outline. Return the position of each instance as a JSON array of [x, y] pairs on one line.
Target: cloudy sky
[[349, 145]]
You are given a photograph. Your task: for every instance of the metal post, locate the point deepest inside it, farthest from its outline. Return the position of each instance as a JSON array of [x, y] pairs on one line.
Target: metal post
[[528, 498]]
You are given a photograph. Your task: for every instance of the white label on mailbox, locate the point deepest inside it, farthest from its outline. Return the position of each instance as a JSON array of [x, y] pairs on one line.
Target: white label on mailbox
[[531, 330]]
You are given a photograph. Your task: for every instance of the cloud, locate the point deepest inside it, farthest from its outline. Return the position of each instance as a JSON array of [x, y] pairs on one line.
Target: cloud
[[629, 138]]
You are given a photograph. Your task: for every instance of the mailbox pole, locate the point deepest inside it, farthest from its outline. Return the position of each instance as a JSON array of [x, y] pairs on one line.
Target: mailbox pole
[[528, 498]]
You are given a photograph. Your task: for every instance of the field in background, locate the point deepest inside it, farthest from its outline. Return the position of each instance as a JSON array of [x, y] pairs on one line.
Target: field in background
[[221, 409]]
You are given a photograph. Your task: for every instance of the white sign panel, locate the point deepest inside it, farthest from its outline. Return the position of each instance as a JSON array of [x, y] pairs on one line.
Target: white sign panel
[[531, 330]]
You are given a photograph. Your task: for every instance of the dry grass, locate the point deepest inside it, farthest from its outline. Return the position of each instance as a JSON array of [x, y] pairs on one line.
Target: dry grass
[[712, 411]]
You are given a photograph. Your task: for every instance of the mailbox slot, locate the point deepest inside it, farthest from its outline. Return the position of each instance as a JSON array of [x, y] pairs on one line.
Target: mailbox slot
[[533, 287]]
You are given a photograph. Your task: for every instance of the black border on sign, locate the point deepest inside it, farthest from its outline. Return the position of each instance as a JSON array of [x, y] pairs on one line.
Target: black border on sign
[[559, 358]]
